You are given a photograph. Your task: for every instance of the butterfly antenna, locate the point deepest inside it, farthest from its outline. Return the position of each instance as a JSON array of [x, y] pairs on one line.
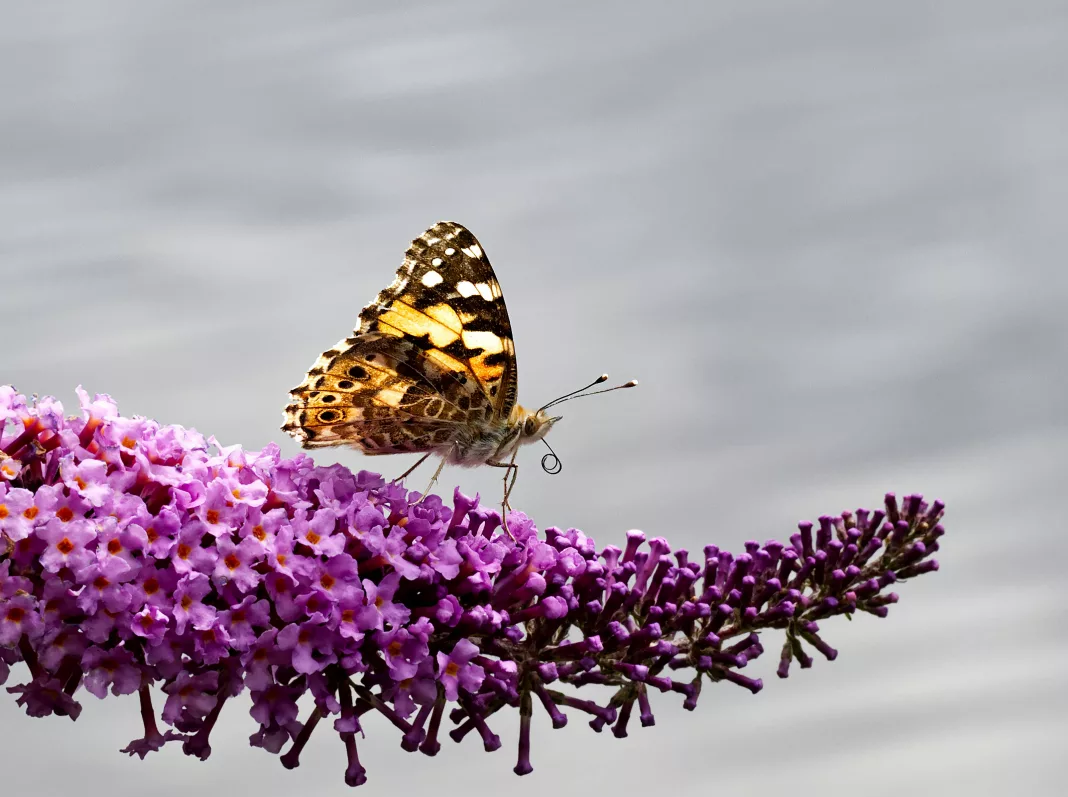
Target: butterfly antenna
[[550, 463], [580, 393]]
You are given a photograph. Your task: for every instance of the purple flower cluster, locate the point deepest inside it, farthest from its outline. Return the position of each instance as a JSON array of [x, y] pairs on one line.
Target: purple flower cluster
[[134, 554]]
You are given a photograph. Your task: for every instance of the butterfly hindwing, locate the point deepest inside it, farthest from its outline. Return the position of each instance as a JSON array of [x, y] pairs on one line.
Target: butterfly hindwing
[[385, 395]]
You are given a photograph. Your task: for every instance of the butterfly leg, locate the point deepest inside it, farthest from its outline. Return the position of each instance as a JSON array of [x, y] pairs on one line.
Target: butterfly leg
[[408, 472], [511, 473], [433, 479]]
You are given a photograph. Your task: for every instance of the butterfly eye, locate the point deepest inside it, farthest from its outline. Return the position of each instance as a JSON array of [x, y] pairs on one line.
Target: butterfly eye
[[530, 427]]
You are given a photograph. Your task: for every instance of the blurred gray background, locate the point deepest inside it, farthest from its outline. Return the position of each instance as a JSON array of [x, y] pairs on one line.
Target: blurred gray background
[[828, 238]]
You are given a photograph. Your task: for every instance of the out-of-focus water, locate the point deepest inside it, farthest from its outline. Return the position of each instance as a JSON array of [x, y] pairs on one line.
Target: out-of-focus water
[[828, 238]]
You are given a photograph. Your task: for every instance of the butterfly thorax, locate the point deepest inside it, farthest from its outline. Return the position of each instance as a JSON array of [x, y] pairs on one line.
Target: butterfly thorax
[[497, 441]]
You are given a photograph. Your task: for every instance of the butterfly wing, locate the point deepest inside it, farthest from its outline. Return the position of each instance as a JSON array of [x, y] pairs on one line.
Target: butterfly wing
[[433, 354], [446, 299]]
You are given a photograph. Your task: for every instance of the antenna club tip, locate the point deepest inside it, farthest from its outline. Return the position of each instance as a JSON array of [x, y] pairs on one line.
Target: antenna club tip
[[601, 378], [631, 383]]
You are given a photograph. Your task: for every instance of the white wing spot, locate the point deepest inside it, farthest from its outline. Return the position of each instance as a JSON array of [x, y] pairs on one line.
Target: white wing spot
[[484, 291], [474, 250], [481, 339], [390, 396], [432, 278], [465, 288], [437, 261], [450, 251]]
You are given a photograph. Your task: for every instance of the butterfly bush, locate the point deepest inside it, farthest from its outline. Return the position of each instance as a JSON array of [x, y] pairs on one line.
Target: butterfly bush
[[134, 554]]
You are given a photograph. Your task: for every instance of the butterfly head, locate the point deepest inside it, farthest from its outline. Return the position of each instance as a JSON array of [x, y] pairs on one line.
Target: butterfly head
[[536, 425]]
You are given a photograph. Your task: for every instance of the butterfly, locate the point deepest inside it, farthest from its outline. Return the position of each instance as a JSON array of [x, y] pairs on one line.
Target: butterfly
[[430, 369]]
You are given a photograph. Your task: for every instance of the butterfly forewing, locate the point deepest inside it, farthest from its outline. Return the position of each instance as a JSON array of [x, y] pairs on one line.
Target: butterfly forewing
[[446, 298]]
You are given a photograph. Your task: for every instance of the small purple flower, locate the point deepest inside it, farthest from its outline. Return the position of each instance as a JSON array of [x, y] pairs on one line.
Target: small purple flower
[[218, 512], [161, 532], [262, 527], [283, 561], [190, 694], [275, 706], [52, 501], [318, 533], [10, 468], [189, 555], [88, 479], [154, 586], [212, 644], [188, 605], [393, 550], [340, 578], [235, 563], [419, 690], [251, 493], [243, 619], [404, 649], [380, 607], [304, 642], [446, 559], [114, 667], [59, 643], [12, 406], [102, 582], [66, 544], [151, 624], [260, 660], [455, 669], [18, 617], [45, 696], [17, 512], [122, 541]]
